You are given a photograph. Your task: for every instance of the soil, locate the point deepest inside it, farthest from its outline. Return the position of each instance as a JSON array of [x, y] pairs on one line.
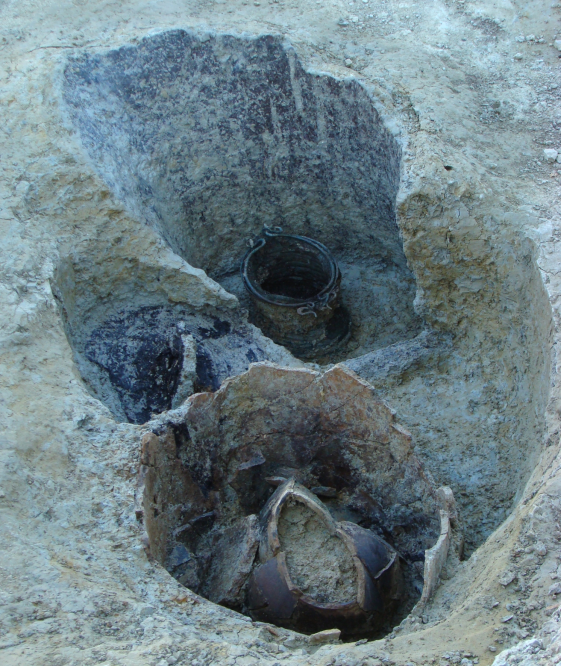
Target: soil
[[318, 562], [466, 95]]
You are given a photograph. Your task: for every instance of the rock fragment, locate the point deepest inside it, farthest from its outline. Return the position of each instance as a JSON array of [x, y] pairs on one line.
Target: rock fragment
[[326, 636], [540, 549], [507, 578], [507, 618], [188, 374]]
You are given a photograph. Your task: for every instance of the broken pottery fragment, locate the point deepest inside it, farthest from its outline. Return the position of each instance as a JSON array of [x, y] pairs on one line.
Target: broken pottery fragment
[[233, 552], [296, 499], [314, 568]]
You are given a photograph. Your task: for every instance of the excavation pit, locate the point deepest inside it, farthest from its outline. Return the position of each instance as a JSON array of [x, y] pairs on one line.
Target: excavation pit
[[292, 496], [206, 139], [294, 283], [475, 413]]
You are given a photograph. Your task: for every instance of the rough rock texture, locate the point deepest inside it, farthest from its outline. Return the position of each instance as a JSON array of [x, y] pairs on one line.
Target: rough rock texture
[[470, 92]]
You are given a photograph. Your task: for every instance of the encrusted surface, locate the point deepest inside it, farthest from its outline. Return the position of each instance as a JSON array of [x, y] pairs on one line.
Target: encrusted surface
[[318, 562], [472, 118], [327, 431]]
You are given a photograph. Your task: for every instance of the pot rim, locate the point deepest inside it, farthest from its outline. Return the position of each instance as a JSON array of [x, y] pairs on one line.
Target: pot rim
[[320, 301]]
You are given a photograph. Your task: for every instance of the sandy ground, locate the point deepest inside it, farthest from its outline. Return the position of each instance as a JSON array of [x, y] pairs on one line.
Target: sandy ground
[[472, 85]]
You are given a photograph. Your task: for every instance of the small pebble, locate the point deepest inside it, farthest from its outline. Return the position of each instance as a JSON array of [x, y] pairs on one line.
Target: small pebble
[[550, 155], [492, 648], [507, 576], [348, 62], [507, 618], [540, 548], [325, 636], [518, 56]]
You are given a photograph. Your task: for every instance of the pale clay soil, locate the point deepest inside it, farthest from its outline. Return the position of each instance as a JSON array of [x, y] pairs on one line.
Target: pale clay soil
[[317, 561], [460, 85]]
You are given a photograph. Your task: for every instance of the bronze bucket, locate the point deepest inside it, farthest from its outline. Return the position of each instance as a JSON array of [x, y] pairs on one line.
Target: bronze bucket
[[294, 283]]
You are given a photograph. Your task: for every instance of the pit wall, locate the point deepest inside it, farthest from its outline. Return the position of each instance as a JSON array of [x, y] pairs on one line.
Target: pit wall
[[475, 412], [208, 139]]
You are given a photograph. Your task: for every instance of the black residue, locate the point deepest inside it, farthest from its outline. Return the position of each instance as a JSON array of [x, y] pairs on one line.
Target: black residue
[[143, 361], [141, 352], [219, 329], [206, 375]]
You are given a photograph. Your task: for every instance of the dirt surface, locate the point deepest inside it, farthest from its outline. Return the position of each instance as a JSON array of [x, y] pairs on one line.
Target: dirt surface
[[318, 562], [471, 93]]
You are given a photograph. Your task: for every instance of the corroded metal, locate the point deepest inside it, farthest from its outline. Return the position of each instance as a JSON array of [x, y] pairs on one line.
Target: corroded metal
[[294, 283]]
